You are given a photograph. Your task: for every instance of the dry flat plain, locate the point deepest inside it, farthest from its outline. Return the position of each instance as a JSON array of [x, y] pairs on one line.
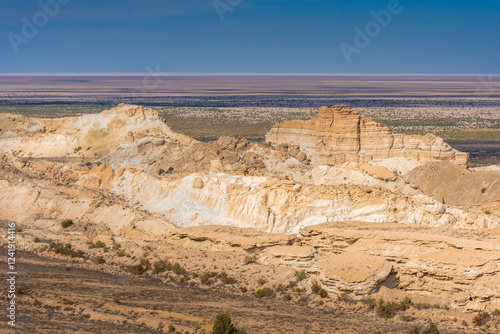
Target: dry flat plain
[[288, 216]]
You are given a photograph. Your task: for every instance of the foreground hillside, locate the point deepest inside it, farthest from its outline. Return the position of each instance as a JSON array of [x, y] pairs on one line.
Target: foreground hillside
[[326, 218]]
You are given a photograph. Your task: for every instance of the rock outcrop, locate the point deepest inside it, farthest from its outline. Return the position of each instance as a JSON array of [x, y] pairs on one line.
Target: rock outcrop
[[340, 134], [88, 136]]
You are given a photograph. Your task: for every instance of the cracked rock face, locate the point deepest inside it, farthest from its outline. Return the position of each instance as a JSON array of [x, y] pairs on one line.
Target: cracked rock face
[[340, 134]]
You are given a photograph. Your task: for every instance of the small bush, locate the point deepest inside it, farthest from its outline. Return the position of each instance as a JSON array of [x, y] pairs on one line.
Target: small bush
[[371, 302], [481, 319], [432, 329], [287, 297], [100, 260], [98, 244], [37, 239], [249, 259], [223, 325], [386, 309], [120, 253], [422, 305], [161, 266], [206, 277], [315, 287], [487, 212], [178, 269], [300, 275], [261, 281], [66, 223], [483, 190], [322, 293], [343, 297], [140, 268], [171, 328], [405, 303], [226, 278], [264, 292], [65, 250]]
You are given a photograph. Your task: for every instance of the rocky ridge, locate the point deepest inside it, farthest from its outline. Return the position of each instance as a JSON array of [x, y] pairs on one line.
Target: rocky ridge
[[275, 201]]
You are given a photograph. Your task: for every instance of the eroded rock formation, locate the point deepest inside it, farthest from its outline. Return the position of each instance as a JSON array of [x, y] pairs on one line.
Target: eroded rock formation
[[340, 134]]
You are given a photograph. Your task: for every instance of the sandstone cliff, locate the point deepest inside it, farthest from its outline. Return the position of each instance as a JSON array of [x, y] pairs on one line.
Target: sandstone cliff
[[340, 134]]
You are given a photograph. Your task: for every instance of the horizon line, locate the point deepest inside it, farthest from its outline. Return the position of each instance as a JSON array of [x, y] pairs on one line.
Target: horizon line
[[232, 74]]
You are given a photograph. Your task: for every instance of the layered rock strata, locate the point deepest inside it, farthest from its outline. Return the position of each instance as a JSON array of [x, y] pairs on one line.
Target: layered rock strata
[[340, 134]]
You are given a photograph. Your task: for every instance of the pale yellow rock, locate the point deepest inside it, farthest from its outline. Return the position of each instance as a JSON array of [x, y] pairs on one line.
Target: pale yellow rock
[[340, 134]]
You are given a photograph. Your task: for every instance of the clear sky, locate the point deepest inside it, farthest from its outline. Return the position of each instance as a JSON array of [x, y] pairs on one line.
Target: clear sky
[[255, 36]]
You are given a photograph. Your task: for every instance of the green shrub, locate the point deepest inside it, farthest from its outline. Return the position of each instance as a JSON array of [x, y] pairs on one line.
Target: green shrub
[[178, 269], [322, 293], [66, 249], [264, 292], [226, 278], [66, 223], [386, 309], [483, 190], [422, 305], [161, 266], [135, 269], [171, 328], [315, 287], [481, 318], [343, 297], [223, 325], [405, 303], [206, 277], [432, 329], [37, 239], [98, 244], [140, 268], [487, 212], [300, 275], [249, 259], [371, 303]]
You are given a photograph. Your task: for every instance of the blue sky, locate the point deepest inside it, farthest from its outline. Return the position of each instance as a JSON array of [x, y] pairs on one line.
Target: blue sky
[[272, 36]]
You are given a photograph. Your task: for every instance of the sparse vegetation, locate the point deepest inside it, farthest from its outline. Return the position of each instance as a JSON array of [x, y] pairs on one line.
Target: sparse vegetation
[[487, 212], [161, 266], [481, 318], [249, 259], [406, 303], [66, 223], [264, 292], [207, 277], [300, 275], [171, 328], [100, 260], [386, 309], [225, 278], [430, 329], [66, 249], [98, 244], [318, 290], [37, 239], [223, 325], [177, 269]]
